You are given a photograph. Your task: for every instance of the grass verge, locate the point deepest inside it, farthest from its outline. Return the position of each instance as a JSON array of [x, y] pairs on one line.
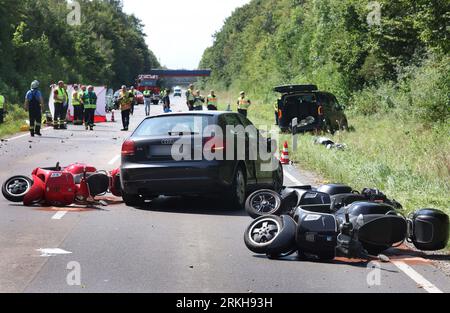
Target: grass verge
[[14, 119]]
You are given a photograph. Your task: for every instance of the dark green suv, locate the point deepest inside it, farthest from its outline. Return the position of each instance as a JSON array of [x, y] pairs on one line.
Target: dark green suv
[[314, 109]]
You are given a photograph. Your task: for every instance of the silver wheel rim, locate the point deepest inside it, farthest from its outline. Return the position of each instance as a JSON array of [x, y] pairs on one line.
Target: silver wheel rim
[[17, 187], [265, 203], [264, 231], [240, 187]]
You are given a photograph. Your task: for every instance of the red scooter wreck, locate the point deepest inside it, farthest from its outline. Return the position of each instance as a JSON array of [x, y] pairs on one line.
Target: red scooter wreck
[[62, 186]]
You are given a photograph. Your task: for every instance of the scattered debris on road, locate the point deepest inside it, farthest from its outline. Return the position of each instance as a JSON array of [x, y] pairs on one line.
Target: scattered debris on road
[[329, 143]]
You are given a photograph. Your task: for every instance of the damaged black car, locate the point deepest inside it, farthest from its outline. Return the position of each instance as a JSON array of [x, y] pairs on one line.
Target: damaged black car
[[313, 110]]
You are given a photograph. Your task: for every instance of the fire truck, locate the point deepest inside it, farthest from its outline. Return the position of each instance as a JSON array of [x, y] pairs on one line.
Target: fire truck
[[150, 81]]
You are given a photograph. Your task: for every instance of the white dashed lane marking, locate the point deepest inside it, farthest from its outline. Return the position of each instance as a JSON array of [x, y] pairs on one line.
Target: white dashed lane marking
[[59, 215], [24, 135], [416, 277], [114, 160], [292, 178]]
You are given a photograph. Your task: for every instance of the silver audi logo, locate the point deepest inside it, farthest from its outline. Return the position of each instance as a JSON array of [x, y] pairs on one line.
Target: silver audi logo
[[167, 142]]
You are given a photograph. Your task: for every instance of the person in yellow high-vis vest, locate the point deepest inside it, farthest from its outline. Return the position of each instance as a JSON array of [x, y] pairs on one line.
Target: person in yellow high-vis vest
[[199, 100], [190, 97], [211, 101], [60, 98], [133, 94], [2, 107], [243, 104], [147, 100], [125, 101], [90, 105], [77, 106], [277, 112], [65, 107], [80, 96]]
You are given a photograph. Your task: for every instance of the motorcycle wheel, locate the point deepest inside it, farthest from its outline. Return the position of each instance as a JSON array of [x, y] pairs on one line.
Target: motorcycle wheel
[[280, 256], [16, 187], [326, 256], [374, 250], [271, 235], [262, 203]]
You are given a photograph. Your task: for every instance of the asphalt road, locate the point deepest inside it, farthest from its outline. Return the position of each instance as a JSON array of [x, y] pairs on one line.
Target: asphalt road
[[173, 245]]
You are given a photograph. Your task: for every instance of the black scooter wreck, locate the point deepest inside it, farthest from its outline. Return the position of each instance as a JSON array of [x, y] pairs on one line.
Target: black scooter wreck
[[335, 220]]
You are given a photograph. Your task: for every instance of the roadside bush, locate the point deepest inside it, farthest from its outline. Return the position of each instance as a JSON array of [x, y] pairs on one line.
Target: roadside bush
[[430, 90], [14, 119], [373, 100], [421, 93]]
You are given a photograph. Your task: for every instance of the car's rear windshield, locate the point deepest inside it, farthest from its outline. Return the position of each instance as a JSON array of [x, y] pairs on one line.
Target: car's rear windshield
[[173, 125], [302, 99]]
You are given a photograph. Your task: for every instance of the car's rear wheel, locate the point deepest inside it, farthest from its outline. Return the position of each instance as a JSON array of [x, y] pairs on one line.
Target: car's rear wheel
[[238, 192], [132, 200], [278, 178], [344, 124], [327, 127]]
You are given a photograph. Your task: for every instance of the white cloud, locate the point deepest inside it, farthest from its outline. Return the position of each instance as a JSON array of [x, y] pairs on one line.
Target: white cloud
[[178, 31]]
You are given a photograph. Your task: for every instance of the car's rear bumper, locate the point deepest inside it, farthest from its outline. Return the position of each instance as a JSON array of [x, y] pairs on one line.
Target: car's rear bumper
[[176, 178]]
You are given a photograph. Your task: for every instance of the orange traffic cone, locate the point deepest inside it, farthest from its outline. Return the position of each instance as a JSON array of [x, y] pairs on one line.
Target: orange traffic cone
[[112, 117], [285, 154]]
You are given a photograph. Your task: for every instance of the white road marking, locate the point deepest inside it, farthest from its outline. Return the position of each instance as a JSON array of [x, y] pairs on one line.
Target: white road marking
[[18, 137], [24, 135], [114, 160], [292, 178], [59, 215], [419, 279], [52, 252]]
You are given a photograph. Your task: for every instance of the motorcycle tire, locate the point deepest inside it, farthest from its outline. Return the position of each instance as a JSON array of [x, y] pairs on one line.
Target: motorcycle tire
[[15, 188], [374, 250], [280, 256], [271, 235], [326, 256], [262, 203]]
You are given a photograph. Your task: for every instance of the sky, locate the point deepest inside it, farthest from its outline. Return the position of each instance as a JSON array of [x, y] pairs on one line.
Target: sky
[[178, 31]]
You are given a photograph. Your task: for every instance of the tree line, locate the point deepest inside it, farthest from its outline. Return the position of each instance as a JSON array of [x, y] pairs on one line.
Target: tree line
[[42, 39], [376, 56]]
